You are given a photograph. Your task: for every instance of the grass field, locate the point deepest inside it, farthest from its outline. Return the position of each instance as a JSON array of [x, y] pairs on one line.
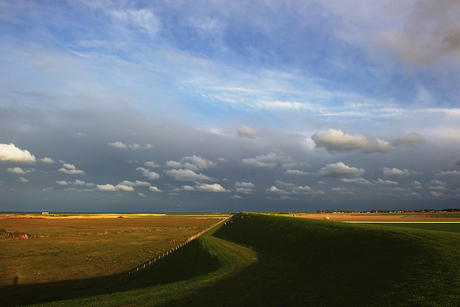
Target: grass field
[[261, 260], [68, 256]]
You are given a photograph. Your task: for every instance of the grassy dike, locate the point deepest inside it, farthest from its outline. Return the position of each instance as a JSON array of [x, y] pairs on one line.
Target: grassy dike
[[261, 260]]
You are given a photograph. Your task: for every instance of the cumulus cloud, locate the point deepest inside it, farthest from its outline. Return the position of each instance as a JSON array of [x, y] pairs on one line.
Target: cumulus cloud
[[148, 173], [212, 188], [106, 187], [247, 132], [244, 187], [9, 152], [449, 174], [137, 146], [70, 169], [187, 175], [385, 182], [142, 183], [412, 140], [360, 181], [16, 170], [80, 135], [79, 182], [268, 161], [340, 170], [437, 182], [194, 163], [62, 182], [118, 145], [151, 164], [295, 173], [121, 145], [377, 145], [47, 160], [123, 187], [336, 140], [430, 33], [274, 189], [394, 172], [22, 179], [155, 189], [306, 190]]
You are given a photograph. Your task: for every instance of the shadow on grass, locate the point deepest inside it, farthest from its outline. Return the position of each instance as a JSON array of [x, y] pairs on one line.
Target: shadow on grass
[[180, 265]]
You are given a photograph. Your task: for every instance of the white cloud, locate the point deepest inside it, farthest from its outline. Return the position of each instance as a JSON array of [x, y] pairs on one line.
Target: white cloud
[[155, 189], [360, 181], [194, 163], [377, 145], [124, 187], [112, 188], [13, 154], [62, 182], [340, 170], [141, 195], [118, 145], [187, 175], [151, 164], [437, 182], [336, 140], [80, 135], [22, 179], [437, 188], [106, 187], [449, 174], [247, 132], [385, 182], [143, 19], [306, 190], [147, 173], [394, 172], [16, 170], [137, 146], [293, 172], [412, 140], [214, 188], [274, 189], [236, 197], [47, 189], [142, 183], [267, 161], [247, 185], [71, 169], [79, 182], [47, 160]]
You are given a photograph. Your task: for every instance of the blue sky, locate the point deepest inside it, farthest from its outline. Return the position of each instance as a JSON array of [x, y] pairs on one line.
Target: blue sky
[[159, 106]]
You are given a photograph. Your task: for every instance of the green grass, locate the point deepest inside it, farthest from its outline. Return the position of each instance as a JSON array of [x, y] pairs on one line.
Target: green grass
[[262, 260], [439, 226]]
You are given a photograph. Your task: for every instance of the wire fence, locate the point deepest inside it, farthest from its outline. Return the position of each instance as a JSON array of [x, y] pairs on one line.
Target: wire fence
[[131, 274]]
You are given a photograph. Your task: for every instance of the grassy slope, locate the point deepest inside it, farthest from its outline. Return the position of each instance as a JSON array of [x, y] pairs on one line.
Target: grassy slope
[[280, 261]]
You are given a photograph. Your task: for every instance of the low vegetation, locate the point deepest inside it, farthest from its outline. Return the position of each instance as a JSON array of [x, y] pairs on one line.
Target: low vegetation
[[262, 260]]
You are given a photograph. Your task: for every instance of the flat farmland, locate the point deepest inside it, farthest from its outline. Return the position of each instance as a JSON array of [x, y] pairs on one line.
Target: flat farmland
[[77, 252], [385, 217]]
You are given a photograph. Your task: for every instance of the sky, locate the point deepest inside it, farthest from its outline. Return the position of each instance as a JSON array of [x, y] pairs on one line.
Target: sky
[[229, 106]]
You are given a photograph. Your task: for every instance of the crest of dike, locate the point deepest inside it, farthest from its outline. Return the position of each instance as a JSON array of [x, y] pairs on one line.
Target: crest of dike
[[263, 260]]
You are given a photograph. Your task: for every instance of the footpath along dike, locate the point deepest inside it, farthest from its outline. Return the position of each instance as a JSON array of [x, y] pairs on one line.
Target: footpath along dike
[[131, 274]]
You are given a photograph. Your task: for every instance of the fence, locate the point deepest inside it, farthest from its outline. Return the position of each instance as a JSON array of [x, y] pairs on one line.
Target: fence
[[149, 263]]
